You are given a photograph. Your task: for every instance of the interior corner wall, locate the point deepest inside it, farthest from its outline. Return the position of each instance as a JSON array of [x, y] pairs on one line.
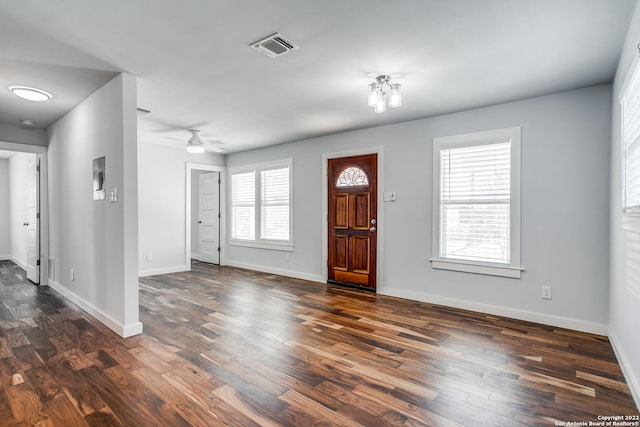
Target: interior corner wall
[[5, 212], [18, 164], [162, 206], [565, 172], [624, 287], [93, 243]]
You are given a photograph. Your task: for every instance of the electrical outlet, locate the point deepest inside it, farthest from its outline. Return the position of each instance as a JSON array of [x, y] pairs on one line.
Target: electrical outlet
[[287, 257], [149, 257], [73, 275], [546, 292]]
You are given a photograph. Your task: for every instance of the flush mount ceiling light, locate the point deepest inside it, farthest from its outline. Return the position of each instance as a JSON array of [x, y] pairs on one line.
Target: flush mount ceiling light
[[30, 93], [381, 93]]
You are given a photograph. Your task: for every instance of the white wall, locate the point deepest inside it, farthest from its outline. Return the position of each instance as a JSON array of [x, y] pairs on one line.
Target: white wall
[[565, 170], [15, 134], [162, 206], [5, 212], [18, 164], [624, 303], [97, 239]]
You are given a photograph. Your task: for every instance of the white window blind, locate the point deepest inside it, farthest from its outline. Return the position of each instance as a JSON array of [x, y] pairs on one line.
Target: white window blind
[[243, 206], [631, 140], [475, 196], [274, 202]]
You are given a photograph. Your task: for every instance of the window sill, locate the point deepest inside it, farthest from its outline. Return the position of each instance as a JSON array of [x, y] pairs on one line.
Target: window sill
[[487, 269], [275, 246]]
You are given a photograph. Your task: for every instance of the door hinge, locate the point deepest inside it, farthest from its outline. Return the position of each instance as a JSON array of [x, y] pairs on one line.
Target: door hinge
[[37, 168], [38, 215], [219, 215], [219, 181], [218, 248], [38, 262]]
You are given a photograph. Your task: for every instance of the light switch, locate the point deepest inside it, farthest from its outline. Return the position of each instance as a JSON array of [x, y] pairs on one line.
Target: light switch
[[114, 195]]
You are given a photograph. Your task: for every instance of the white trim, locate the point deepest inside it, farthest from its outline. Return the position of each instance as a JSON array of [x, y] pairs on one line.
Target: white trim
[[379, 150], [279, 272], [632, 378], [6, 258], [124, 331], [190, 166], [513, 135], [634, 68], [490, 270], [529, 316], [164, 270], [260, 243], [287, 247], [19, 263]]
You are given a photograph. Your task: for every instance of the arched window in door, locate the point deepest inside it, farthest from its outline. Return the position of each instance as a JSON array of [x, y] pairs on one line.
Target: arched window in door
[[352, 177]]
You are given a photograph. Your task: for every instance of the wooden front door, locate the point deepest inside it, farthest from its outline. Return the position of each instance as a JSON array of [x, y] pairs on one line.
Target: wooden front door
[[353, 202]]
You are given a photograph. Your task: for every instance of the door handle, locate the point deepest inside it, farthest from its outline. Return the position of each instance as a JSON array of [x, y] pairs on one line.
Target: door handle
[[372, 229], [26, 224], [199, 222]]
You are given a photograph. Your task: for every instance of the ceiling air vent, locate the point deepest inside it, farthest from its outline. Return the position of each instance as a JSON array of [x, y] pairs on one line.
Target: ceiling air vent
[[274, 45]]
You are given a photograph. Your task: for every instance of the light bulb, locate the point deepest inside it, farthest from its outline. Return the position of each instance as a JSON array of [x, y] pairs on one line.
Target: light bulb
[[373, 95], [381, 106], [395, 100]]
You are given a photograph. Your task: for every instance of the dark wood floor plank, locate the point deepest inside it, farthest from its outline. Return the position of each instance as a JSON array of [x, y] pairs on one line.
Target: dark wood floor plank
[[229, 347]]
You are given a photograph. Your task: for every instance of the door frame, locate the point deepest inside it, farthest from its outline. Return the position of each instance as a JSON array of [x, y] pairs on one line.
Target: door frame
[[43, 195], [190, 166], [379, 150]]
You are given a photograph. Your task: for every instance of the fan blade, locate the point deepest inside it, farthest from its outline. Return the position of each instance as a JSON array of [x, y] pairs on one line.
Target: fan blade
[[214, 142], [175, 139]]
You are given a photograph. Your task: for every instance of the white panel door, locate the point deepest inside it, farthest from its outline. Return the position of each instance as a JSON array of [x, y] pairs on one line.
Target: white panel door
[[33, 224], [209, 218]]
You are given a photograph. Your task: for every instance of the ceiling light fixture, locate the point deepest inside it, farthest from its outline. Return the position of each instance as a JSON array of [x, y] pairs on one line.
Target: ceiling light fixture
[[381, 93], [195, 144], [30, 93]]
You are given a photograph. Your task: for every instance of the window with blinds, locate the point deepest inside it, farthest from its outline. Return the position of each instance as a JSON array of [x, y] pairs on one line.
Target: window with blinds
[[243, 206], [274, 203], [477, 202], [630, 103], [474, 203], [261, 205]]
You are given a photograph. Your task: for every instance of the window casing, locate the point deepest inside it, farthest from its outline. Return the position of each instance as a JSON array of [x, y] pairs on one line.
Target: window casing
[[476, 203], [630, 140], [261, 201]]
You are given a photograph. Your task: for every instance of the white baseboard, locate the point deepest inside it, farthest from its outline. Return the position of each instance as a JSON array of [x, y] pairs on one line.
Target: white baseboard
[[632, 377], [14, 260], [165, 270], [20, 264], [124, 331], [279, 272], [545, 319]]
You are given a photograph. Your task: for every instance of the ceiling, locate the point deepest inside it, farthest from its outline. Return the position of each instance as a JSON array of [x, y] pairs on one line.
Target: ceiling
[[195, 67]]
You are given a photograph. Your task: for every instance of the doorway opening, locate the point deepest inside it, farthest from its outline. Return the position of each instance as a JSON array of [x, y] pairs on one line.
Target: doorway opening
[[23, 210], [205, 222]]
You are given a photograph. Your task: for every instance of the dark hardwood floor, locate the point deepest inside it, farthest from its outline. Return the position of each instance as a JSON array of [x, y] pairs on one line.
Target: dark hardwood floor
[[224, 346]]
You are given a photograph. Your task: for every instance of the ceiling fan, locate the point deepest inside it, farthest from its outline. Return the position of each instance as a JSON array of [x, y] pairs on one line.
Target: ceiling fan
[[196, 144]]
